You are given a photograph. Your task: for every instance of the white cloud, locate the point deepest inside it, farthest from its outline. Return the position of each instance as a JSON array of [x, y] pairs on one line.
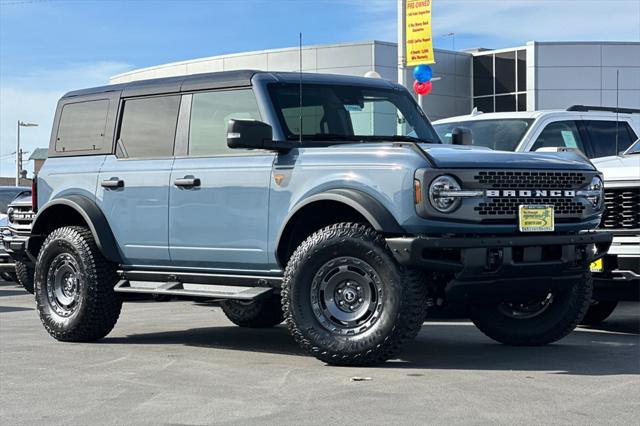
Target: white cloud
[[33, 97]]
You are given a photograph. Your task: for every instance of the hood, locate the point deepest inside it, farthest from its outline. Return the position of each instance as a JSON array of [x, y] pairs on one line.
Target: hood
[[468, 157], [619, 168]]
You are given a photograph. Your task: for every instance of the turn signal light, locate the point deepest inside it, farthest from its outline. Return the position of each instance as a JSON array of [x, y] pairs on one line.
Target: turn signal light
[[417, 191]]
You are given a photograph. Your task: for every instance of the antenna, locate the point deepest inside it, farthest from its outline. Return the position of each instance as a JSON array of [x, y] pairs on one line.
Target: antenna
[[300, 81], [617, 108]]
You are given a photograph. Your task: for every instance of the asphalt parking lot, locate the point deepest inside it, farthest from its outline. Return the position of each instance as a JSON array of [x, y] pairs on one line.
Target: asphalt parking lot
[[180, 363]]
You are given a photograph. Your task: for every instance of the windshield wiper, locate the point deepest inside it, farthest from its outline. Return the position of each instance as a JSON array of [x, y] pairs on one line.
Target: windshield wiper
[[399, 138], [319, 137]]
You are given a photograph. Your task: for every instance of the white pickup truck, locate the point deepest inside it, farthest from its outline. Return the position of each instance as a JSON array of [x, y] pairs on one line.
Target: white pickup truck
[[596, 131]]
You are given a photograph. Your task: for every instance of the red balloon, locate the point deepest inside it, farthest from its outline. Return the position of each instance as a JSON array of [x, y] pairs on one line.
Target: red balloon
[[422, 88]]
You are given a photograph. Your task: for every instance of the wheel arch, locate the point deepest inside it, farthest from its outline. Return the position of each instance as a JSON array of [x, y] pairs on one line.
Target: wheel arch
[[335, 205], [77, 210]]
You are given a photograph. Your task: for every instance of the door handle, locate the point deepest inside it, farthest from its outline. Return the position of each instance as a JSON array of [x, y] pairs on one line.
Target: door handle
[[187, 182], [112, 183]]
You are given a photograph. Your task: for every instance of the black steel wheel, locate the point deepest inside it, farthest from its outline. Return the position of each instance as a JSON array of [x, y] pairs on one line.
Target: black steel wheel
[[345, 299], [74, 287], [24, 274], [539, 321]]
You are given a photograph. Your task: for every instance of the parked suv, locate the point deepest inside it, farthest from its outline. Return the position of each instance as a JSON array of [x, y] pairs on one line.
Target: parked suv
[[617, 276], [595, 131], [7, 195], [327, 201]]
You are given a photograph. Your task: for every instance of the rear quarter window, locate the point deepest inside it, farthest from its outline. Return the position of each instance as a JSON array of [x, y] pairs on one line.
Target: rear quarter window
[[82, 126]]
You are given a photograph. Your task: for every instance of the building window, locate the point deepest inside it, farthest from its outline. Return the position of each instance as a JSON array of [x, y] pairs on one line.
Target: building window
[[500, 81]]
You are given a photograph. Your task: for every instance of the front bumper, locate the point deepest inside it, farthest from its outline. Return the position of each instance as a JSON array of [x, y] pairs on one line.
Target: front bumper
[[509, 266], [17, 246]]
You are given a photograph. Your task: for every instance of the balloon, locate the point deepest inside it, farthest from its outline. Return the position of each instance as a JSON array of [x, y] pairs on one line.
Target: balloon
[[422, 73], [422, 88]]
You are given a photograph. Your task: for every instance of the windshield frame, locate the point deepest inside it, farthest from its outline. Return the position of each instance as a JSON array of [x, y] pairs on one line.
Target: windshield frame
[[284, 133]]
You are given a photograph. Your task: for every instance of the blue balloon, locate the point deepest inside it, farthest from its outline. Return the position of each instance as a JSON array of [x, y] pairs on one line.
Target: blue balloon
[[422, 73]]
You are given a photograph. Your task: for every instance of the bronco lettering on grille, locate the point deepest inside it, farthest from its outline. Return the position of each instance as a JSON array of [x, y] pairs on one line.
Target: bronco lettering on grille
[[530, 193]]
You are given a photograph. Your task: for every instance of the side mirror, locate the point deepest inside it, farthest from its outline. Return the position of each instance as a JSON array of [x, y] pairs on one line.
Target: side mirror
[[253, 134], [461, 136]]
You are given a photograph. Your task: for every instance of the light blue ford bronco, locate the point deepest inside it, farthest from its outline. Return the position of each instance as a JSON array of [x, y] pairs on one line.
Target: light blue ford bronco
[[325, 201]]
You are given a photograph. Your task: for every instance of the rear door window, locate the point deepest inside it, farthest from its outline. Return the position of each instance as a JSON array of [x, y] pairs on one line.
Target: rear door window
[[82, 126], [562, 134], [602, 135], [148, 127]]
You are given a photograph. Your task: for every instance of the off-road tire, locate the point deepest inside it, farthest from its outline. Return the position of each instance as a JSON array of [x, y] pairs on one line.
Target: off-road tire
[[598, 312], [261, 313], [566, 311], [403, 305], [24, 274], [98, 306]]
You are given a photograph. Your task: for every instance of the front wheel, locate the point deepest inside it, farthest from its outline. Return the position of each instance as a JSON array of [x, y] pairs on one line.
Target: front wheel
[[74, 287], [24, 274], [536, 322], [345, 299]]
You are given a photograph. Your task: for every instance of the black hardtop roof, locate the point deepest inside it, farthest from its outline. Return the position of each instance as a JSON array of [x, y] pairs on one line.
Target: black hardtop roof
[[224, 79]]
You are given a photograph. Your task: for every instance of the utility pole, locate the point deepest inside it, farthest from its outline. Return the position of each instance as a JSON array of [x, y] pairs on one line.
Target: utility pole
[[402, 5], [19, 151]]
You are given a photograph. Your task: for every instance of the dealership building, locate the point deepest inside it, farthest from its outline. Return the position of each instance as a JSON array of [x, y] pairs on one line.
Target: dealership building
[[538, 75]]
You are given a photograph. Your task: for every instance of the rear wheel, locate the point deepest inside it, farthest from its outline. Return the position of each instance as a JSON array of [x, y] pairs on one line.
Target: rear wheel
[[74, 287], [598, 312], [536, 322], [346, 300], [24, 274], [261, 313]]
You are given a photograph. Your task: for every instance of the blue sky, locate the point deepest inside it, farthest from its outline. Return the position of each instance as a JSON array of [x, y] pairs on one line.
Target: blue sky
[[48, 47]]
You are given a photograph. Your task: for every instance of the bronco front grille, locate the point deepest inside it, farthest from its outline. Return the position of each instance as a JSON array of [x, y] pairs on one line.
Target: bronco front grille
[[509, 206], [530, 179], [622, 208]]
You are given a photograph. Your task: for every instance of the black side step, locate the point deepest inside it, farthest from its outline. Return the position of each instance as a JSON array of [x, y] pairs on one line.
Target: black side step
[[213, 291]]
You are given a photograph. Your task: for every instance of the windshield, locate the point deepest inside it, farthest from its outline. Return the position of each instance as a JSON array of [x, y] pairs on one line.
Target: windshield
[[6, 197], [342, 112], [499, 134], [633, 149]]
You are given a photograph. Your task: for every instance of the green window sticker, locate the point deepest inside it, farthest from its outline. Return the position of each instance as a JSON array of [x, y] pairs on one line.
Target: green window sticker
[[569, 139]]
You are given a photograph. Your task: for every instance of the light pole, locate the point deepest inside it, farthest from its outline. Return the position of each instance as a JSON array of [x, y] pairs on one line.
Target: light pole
[[453, 40], [18, 153]]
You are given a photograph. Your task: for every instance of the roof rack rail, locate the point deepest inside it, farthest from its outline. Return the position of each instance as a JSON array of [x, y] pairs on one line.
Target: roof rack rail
[[584, 108]]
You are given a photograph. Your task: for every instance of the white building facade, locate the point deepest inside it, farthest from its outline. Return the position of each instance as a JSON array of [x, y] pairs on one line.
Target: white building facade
[[538, 75]]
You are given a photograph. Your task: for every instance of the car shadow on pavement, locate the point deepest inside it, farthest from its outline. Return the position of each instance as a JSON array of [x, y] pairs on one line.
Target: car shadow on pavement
[[269, 340], [454, 345]]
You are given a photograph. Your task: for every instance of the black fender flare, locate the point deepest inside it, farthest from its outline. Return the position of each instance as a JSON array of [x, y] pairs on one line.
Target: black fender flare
[[370, 208], [92, 215]]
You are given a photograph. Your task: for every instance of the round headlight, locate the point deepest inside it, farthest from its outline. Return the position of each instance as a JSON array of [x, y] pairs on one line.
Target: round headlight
[[597, 191], [10, 214], [437, 191]]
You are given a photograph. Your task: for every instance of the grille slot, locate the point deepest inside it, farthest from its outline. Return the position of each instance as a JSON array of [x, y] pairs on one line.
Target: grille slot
[[504, 206], [530, 179], [622, 208]]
